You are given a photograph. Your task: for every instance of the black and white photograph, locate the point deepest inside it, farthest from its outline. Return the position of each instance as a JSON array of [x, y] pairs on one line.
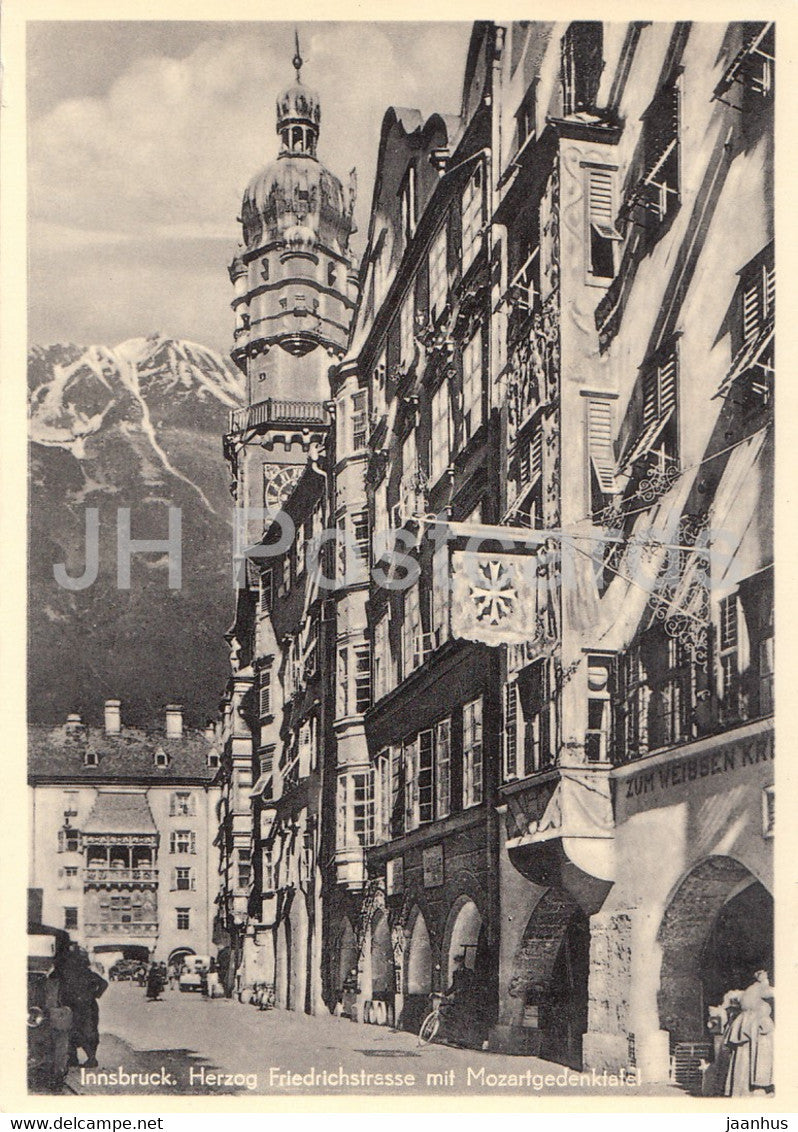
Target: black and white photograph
[[400, 624]]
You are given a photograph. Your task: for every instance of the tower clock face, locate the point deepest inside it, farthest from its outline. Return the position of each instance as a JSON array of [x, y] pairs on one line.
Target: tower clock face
[[278, 483]]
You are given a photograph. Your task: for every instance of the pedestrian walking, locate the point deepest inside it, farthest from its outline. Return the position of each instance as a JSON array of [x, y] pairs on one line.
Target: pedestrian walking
[[81, 989]]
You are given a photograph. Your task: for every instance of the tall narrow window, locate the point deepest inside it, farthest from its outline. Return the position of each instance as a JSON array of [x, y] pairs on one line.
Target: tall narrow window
[[359, 430], [443, 757], [729, 634], [362, 679], [244, 862], [631, 738], [398, 791], [382, 801], [581, 64], [408, 202], [472, 386], [360, 531], [472, 753], [441, 593], [410, 750], [381, 658], [441, 431], [525, 119], [265, 692], [438, 275], [406, 329], [657, 442], [511, 719], [342, 696], [659, 190], [597, 734], [602, 236], [473, 212], [601, 452], [426, 777], [411, 632]]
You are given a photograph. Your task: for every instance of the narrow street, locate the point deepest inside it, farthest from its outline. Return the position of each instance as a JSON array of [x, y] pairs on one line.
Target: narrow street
[[189, 1044]]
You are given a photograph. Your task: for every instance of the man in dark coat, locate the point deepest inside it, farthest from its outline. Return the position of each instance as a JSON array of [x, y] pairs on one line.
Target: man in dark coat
[[461, 994], [81, 988]]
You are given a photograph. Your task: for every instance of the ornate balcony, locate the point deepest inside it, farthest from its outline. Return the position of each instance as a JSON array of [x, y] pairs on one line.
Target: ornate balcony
[[278, 412], [107, 876], [119, 928]]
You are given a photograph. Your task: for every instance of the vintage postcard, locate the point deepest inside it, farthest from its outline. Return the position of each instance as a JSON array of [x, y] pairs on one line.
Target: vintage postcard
[[400, 556]]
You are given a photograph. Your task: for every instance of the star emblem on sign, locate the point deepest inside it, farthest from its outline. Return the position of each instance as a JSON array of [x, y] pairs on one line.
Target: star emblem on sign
[[493, 592]]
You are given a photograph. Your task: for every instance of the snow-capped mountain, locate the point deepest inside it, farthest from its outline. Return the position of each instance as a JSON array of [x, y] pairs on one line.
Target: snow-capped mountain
[[137, 426]]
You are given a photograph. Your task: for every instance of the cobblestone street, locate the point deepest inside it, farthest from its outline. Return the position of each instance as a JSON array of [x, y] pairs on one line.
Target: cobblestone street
[[189, 1044]]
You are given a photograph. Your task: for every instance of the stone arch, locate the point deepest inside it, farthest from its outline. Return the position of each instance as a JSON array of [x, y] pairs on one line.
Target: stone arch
[[283, 980], [178, 953], [346, 954], [550, 980], [461, 935], [418, 956], [381, 953], [718, 895], [298, 965]]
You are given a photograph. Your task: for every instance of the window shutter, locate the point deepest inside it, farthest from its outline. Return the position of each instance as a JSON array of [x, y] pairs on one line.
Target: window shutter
[[172, 842], [599, 436], [650, 406], [511, 731], [751, 310], [174, 879], [667, 386], [601, 210], [770, 291], [193, 842], [193, 882], [535, 456]]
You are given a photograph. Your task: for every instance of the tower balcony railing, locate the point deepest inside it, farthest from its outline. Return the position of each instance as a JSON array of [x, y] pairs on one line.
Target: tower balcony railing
[[283, 412]]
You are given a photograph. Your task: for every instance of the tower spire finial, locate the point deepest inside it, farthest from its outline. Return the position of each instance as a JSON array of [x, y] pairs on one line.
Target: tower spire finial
[[297, 60]]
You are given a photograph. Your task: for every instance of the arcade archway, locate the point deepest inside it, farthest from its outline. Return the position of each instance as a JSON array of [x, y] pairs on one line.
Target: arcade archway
[[383, 980], [463, 935], [550, 980], [418, 962], [347, 955], [716, 931]]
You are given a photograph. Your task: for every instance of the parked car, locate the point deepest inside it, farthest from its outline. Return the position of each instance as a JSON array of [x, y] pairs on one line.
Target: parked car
[[128, 970], [194, 972], [49, 1021]]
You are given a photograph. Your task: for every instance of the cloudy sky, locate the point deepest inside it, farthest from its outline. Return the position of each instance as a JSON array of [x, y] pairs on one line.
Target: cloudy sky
[[142, 136]]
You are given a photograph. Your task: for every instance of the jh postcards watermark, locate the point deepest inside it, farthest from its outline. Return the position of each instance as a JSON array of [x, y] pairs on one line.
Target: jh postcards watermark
[[334, 557]]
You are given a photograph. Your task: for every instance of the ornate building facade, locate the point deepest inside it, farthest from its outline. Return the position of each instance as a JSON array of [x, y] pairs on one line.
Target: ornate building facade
[[295, 283], [122, 823], [545, 664]]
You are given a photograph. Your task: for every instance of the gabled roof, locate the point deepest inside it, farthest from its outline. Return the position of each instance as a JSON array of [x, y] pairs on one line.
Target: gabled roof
[[60, 753]]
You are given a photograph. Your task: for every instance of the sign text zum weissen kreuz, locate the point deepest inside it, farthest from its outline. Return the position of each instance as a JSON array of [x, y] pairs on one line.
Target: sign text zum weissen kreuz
[[693, 768]]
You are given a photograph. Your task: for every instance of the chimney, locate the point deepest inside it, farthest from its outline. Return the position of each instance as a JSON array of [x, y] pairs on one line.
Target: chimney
[[210, 730], [174, 721], [113, 717], [74, 724]]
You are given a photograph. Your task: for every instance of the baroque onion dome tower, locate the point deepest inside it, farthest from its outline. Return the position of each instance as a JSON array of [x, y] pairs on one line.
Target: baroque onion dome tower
[[295, 284]]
